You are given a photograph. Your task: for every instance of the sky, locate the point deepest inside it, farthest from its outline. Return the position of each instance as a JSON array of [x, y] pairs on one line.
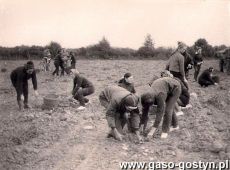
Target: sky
[[124, 23]]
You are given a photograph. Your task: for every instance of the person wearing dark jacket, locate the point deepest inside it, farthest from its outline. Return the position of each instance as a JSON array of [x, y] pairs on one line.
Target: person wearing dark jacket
[[81, 87], [58, 62], [127, 82], [121, 108], [19, 78], [164, 93], [73, 60], [188, 63], [206, 79], [197, 60]]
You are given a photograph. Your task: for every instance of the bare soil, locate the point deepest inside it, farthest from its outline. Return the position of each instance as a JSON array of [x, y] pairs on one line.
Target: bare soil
[[66, 139]]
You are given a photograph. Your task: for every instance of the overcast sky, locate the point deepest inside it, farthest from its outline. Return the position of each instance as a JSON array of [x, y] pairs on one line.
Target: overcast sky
[[125, 23]]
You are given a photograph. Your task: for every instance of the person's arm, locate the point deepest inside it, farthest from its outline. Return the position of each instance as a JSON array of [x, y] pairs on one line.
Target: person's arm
[[19, 82], [209, 78], [34, 80], [78, 84], [181, 65], [160, 109], [167, 66]]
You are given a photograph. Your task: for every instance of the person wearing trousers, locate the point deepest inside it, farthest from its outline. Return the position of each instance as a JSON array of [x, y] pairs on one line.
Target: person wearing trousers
[[82, 87], [19, 78], [164, 93], [197, 60], [206, 78], [121, 108], [176, 63]]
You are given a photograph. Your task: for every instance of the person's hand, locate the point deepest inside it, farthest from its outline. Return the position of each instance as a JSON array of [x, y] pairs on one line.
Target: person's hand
[[151, 132], [185, 80], [36, 93], [215, 84], [117, 135]]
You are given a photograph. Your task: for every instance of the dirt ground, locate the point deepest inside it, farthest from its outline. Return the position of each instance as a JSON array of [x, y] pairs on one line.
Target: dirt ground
[[64, 139]]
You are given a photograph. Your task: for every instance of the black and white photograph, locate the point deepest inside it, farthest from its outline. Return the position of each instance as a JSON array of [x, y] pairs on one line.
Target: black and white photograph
[[114, 84]]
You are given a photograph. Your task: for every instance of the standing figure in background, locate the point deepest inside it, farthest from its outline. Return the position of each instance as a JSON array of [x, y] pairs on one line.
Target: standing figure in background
[[73, 60], [127, 82], [58, 62], [197, 60], [19, 78], [176, 63], [46, 60]]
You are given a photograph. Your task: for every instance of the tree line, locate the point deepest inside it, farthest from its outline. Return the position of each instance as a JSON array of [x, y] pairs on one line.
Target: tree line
[[103, 50]]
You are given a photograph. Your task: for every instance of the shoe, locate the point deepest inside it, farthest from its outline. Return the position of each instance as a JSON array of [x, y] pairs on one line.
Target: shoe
[[180, 113], [87, 103], [173, 129], [26, 106], [80, 108], [164, 135]]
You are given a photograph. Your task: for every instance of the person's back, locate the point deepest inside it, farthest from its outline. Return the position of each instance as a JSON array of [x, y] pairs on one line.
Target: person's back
[[176, 62]]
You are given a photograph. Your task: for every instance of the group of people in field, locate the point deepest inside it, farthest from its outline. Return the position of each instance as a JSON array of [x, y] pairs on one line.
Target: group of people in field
[[64, 60], [169, 93]]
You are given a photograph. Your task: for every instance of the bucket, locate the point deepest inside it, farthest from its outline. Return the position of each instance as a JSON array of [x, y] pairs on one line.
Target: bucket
[[50, 101]]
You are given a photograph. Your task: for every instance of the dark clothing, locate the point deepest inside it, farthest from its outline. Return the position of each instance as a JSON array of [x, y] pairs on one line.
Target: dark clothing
[[127, 86], [82, 87], [19, 78], [58, 62], [221, 65], [164, 93], [184, 96], [198, 60], [73, 62], [205, 78], [187, 61], [112, 98]]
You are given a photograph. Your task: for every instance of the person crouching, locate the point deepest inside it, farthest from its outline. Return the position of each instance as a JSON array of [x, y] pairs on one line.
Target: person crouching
[[81, 87], [121, 108]]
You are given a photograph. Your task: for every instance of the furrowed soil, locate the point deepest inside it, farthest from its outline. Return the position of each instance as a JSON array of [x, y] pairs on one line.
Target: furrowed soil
[[64, 139]]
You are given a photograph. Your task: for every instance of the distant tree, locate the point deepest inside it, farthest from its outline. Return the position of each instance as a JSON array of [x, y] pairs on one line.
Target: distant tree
[[207, 49], [149, 42], [54, 48], [147, 50]]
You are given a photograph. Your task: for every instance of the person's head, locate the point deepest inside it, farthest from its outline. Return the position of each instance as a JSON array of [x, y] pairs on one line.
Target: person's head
[[147, 99], [166, 73], [74, 72], [211, 69], [181, 47], [130, 102], [128, 77], [198, 50], [29, 66]]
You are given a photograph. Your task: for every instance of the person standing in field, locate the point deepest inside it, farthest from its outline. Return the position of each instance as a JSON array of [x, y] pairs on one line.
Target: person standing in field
[[58, 62], [73, 60], [19, 78], [121, 109], [127, 82], [176, 63], [198, 61], [46, 59], [164, 93], [82, 87]]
